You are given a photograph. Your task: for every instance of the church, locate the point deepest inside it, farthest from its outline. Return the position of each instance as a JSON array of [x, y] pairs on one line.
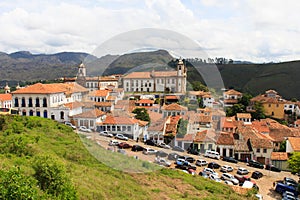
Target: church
[[157, 81]]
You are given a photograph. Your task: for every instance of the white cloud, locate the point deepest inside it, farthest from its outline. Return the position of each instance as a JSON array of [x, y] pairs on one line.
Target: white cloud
[[247, 30]]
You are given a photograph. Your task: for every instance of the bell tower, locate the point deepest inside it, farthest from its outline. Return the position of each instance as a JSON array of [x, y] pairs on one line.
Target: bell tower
[[181, 77], [81, 75]]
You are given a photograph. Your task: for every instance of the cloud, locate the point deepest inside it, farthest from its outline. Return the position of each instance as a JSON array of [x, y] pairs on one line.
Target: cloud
[[247, 30]]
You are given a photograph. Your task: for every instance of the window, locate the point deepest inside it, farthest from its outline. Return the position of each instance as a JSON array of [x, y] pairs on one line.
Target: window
[[38, 113], [31, 113], [209, 146], [44, 102], [123, 128], [277, 105], [118, 128], [23, 102], [113, 128], [269, 105], [37, 102], [30, 102], [128, 128], [257, 150], [265, 150], [62, 115], [45, 114], [16, 102]]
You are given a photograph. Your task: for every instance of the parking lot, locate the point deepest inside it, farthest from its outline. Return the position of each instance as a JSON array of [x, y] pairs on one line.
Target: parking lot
[[265, 183]]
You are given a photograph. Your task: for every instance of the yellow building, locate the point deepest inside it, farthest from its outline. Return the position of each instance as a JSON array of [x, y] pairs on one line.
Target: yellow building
[[272, 103]]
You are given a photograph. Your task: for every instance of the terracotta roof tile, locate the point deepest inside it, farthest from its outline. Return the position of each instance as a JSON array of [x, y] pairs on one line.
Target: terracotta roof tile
[[261, 143], [187, 137], [119, 120], [171, 97], [174, 106], [103, 104], [144, 75], [232, 92], [73, 105], [205, 136], [279, 156], [243, 115], [90, 114], [295, 143], [5, 97], [99, 93], [148, 101], [225, 139]]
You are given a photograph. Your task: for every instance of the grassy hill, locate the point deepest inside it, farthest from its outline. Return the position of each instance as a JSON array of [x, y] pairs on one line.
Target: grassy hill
[[24, 141]]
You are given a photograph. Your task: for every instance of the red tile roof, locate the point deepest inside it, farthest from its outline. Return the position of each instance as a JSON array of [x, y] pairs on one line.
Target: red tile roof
[[5, 97], [73, 105], [174, 106], [279, 156], [90, 114], [170, 97], [148, 101], [99, 93], [205, 136], [225, 139], [232, 92], [187, 137], [295, 143], [243, 115], [119, 120]]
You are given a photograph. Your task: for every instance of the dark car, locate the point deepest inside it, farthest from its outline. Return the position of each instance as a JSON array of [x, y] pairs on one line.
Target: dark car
[[213, 165], [124, 145], [256, 175], [177, 148], [137, 148], [173, 156], [190, 159], [193, 151], [254, 163], [272, 168], [161, 154], [203, 174], [150, 142], [230, 159]]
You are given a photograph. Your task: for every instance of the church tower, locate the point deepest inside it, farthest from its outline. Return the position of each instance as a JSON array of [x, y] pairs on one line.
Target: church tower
[[81, 75], [7, 88], [181, 76]]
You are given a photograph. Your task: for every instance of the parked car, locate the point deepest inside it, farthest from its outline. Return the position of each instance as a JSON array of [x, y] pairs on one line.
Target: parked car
[[256, 175], [106, 134], [272, 168], [70, 124], [164, 145], [192, 171], [113, 143], [242, 179], [161, 154], [289, 195], [137, 148], [229, 177], [228, 182], [281, 188], [230, 159], [150, 142], [242, 171], [121, 137], [203, 174], [213, 165], [190, 159], [209, 171], [162, 161], [84, 129], [201, 162], [226, 168], [173, 156], [254, 163], [215, 177], [124, 145], [177, 148], [149, 151], [193, 151], [212, 154]]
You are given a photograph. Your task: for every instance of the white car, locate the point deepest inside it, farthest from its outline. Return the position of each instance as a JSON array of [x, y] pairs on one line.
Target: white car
[[164, 145], [215, 177], [105, 133], [113, 143], [210, 171], [70, 124], [226, 168], [201, 162], [121, 137], [228, 182], [149, 151], [85, 129], [242, 171], [162, 161], [229, 177]]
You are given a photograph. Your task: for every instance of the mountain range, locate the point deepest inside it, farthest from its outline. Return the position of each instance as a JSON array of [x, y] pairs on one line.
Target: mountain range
[[246, 77]]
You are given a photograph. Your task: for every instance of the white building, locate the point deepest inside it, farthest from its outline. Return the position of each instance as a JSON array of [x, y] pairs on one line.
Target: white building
[[5, 100], [157, 81], [48, 100]]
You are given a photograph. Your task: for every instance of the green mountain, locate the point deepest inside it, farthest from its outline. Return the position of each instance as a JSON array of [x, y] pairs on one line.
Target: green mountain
[[43, 159]]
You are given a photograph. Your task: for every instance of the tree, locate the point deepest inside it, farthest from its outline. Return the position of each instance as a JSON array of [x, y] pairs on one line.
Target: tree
[[53, 179], [294, 162], [236, 108], [15, 185], [141, 114], [245, 100], [282, 147], [198, 86], [259, 111], [182, 127]]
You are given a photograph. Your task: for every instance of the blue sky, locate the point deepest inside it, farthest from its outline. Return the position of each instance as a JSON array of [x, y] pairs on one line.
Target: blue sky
[[253, 30]]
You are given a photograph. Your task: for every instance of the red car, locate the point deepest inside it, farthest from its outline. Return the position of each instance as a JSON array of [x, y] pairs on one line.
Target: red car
[[124, 145]]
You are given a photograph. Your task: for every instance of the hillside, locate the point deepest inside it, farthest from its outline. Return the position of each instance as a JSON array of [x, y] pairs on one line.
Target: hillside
[[24, 66], [26, 142]]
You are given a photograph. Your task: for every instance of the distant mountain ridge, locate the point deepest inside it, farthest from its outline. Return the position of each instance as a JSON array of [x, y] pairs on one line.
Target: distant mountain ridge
[[252, 78]]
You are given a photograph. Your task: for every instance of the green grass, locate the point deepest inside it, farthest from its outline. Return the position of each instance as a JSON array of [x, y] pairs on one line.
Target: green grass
[[91, 178]]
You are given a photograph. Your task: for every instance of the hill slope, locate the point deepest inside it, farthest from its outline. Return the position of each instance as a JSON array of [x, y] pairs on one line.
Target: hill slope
[[24, 139]]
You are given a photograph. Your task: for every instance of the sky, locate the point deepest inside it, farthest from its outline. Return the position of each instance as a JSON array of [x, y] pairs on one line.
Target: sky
[[252, 30]]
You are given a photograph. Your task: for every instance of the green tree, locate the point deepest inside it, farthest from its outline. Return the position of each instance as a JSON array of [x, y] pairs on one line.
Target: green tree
[[16, 186], [198, 86], [141, 114], [259, 111], [294, 162], [245, 100], [53, 179], [282, 147], [236, 108], [182, 127]]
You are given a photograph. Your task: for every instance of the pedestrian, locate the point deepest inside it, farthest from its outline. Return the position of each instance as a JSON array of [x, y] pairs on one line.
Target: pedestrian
[[137, 139], [247, 159]]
